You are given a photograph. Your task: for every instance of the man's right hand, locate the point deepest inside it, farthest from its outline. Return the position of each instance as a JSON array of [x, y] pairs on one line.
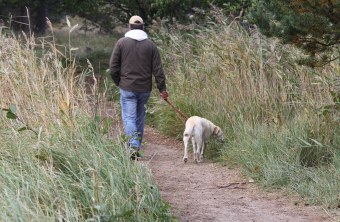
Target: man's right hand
[[164, 95]]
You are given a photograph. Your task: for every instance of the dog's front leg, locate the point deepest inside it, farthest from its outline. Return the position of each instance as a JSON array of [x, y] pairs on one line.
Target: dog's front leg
[[204, 145], [199, 148]]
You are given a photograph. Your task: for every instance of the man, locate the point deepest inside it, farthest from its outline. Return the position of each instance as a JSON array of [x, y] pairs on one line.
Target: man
[[134, 60]]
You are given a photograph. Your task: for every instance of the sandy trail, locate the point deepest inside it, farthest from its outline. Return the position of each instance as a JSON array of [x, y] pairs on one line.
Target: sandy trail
[[210, 192]]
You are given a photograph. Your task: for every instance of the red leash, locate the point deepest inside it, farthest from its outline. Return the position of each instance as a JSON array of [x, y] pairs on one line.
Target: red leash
[[184, 117]]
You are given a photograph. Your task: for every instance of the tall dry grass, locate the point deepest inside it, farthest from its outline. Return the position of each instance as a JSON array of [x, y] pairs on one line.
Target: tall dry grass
[[280, 119], [62, 157]]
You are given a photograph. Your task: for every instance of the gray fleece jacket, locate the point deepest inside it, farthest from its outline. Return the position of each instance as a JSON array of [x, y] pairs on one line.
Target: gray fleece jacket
[[134, 60]]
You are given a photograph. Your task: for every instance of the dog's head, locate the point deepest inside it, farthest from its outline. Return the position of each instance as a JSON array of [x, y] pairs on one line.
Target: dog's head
[[218, 133]]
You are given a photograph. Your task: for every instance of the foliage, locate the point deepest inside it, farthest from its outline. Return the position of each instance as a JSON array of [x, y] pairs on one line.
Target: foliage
[[287, 158], [75, 168], [74, 178], [11, 114], [120, 11], [108, 14], [310, 25], [195, 10], [28, 15], [280, 119]]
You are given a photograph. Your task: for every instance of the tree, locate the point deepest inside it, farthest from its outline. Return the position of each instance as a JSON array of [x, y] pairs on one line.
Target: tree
[[108, 13], [27, 15], [312, 25]]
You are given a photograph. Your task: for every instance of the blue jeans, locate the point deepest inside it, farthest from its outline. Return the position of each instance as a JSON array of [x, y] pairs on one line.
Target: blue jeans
[[133, 115]]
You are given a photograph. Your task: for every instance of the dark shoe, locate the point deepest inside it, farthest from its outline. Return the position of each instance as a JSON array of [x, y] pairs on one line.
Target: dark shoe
[[135, 156]]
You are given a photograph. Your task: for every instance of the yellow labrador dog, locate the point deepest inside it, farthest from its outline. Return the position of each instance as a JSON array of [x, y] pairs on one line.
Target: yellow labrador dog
[[199, 130]]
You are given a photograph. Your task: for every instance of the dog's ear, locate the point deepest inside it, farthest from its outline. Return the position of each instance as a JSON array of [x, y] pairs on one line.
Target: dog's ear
[[215, 130], [218, 133]]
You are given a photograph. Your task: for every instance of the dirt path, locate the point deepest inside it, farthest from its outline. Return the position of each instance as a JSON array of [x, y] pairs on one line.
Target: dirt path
[[209, 192]]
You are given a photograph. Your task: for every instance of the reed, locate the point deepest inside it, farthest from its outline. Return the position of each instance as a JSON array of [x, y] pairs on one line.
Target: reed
[[62, 156], [280, 119]]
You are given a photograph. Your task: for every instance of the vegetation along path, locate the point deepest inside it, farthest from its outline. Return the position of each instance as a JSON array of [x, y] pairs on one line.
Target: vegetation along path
[[211, 192]]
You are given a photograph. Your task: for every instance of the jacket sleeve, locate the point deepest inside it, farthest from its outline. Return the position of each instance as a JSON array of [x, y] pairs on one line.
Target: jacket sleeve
[[157, 69], [115, 64]]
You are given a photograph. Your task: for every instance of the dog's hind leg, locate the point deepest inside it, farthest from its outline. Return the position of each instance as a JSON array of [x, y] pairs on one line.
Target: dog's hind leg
[[186, 138], [199, 148]]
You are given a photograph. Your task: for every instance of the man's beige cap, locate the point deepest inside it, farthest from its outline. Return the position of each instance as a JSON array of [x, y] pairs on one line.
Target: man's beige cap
[[136, 20]]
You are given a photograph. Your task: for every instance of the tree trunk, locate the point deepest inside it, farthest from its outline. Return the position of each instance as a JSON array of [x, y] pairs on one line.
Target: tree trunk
[[40, 22]]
